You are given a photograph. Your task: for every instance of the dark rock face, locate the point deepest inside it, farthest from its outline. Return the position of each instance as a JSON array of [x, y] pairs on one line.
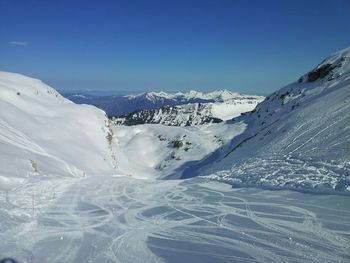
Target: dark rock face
[[320, 72], [177, 144]]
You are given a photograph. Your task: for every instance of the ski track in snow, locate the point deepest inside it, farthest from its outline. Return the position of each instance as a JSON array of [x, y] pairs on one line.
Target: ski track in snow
[[120, 219]]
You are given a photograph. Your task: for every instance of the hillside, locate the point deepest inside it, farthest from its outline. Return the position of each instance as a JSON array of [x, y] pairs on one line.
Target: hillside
[[44, 134], [158, 151], [298, 137]]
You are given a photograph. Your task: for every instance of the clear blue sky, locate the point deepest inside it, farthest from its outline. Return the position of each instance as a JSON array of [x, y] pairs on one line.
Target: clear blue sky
[[249, 46]]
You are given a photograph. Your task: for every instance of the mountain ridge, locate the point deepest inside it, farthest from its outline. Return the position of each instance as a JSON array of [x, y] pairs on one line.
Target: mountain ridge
[[116, 106]]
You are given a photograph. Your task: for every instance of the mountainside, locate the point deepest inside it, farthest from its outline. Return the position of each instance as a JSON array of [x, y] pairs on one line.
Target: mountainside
[[44, 134], [182, 115], [122, 105], [298, 137], [192, 113]]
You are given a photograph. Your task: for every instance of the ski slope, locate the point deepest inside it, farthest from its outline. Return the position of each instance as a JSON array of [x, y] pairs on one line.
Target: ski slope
[[120, 219], [298, 138]]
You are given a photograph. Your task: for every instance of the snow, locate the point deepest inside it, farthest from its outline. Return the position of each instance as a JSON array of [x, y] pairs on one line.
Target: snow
[[147, 151], [44, 134], [232, 109], [111, 219], [298, 138]]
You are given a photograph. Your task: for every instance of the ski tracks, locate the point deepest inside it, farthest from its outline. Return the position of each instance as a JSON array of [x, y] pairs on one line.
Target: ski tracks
[[106, 219]]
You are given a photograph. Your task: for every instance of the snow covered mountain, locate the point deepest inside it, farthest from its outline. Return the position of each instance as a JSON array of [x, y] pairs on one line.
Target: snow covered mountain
[[44, 134], [192, 113], [182, 115], [123, 105], [298, 137]]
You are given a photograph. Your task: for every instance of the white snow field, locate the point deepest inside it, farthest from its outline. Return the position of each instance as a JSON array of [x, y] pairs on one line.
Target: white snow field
[[75, 189]]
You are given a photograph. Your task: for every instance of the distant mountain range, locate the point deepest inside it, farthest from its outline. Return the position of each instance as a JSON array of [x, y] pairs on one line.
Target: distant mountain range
[[191, 113], [145, 103]]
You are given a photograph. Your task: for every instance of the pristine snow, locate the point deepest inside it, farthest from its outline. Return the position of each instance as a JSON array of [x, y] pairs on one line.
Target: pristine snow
[[234, 108], [148, 151], [44, 134]]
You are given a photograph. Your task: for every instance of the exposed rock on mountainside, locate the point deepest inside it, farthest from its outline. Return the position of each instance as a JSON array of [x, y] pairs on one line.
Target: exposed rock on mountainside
[[184, 115]]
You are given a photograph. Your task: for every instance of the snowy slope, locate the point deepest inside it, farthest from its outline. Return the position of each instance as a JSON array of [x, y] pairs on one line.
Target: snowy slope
[[299, 137], [108, 219], [158, 151], [122, 105], [44, 134]]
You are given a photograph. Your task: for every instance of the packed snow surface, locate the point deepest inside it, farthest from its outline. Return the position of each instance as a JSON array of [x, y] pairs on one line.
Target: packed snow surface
[[120, 219]]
